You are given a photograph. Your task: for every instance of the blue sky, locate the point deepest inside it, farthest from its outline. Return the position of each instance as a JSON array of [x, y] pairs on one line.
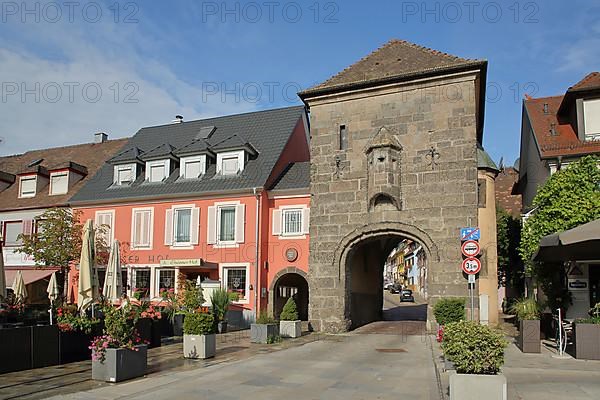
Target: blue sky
[[67, 76]]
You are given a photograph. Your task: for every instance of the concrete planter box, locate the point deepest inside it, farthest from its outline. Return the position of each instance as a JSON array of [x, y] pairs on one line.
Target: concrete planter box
[[199, 346], [260, 333], [529, 336], [121, 364], [477, 387], [291, 329], [586, 338]]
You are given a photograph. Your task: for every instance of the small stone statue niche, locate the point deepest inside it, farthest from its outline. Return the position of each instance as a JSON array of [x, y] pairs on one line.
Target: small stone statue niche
[[383, 164]]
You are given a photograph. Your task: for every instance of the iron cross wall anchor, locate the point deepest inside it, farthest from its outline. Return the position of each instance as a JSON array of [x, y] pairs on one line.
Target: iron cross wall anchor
[[433, 155], [338, 167]]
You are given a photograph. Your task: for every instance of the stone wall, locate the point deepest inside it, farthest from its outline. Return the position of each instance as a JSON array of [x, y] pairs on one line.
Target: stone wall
[[436, 200]]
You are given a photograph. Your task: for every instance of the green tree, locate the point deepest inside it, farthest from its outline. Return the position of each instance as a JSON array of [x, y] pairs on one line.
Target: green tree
[[289, 312], [57, 241], [510, 265], [569, 198]]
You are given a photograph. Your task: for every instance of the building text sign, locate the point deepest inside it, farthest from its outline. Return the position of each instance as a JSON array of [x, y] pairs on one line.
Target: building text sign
[[190, 262]]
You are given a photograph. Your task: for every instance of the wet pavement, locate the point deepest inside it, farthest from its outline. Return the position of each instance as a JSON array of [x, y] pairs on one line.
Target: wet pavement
[[42, 383]]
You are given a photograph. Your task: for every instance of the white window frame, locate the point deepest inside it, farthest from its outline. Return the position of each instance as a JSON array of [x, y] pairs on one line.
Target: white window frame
[[220, 207], [224, 267], [150, 231], [132, 278], [185, 160], [590, 105], [288, 210], [16, 243], [27, 178], [240, 154], [111, 235], [157, 163], [54, 175], [282, 235], [157, 272], [177, 244], [123, 167]]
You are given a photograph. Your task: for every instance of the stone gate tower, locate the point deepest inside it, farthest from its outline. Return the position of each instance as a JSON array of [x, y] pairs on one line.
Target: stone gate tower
[[394, 141]]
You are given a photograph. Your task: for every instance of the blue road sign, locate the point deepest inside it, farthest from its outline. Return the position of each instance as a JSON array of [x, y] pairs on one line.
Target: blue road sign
[[470, 234]]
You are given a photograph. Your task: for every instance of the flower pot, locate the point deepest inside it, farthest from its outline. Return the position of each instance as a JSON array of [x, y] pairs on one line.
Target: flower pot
[[222, 327], [260, 333], [178, 324], [44, 346], [477, 387], [74, 346], [529, 336], [199, 346], [121, 364], [156, 333], [586, 338], [143, 326], [291, 329], [166, 327]]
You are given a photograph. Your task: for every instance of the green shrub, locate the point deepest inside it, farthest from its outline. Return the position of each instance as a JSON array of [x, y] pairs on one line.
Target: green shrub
[[265, 319], [473, 348], [191, 296], [198, 324], [525, 309], [449, 310], [289, 312]]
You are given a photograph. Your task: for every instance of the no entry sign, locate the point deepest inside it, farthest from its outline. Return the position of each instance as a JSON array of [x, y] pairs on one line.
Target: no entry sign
[[470, 248], [471, 266]]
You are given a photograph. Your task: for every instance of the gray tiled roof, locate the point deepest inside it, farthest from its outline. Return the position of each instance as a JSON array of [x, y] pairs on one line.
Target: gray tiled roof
[[295, 176], [164, 150], [129, 154], [268, 131], [197, 146]]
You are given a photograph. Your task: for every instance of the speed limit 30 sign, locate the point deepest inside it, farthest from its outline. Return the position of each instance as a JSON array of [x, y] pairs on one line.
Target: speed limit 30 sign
[[470, 248], [471, 266]]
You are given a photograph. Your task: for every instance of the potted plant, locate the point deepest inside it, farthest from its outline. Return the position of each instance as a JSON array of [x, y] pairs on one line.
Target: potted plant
[[75, 333], [289, 324], [527, 313], [199, 340], [264, 330], [118, 355], [221, 299], [445, 311], [478, 354], [189, 300], [586, 336]]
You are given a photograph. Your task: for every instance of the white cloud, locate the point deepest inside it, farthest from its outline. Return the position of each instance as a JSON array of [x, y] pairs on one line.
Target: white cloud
[[105, 58]]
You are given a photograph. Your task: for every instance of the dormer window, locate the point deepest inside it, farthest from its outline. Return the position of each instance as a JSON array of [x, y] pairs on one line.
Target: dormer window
[[59, 183], [591, 118], [157, 171], [125, 174], [230, 163], [27, 186], [192, 167]]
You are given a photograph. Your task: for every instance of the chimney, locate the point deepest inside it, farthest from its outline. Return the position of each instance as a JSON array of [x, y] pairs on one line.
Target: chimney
[[100, 137], [178, 119], [545, 108]]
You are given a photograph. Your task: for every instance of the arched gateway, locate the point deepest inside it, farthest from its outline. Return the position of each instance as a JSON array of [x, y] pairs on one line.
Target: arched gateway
[[394, 143]]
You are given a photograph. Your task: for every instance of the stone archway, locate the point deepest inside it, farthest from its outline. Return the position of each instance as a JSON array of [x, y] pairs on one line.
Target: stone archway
[[368, 246], [290, 277]]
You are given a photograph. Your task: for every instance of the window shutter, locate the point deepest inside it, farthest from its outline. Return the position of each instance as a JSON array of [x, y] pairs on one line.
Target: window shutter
[[211, 236], [146, 232], [305, 220], [28, 227], [169, 227], [195, 225], [115, 175], [240, 222], [276, 222]]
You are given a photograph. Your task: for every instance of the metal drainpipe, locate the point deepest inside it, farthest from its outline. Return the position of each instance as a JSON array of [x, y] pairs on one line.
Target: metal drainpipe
[[257, 264]]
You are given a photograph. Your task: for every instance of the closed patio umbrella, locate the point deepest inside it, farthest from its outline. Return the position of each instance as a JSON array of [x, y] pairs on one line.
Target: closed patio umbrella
[[2, 275], [581, 243], [53, 292], [19, 287], [113, 284], [86, 292]]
